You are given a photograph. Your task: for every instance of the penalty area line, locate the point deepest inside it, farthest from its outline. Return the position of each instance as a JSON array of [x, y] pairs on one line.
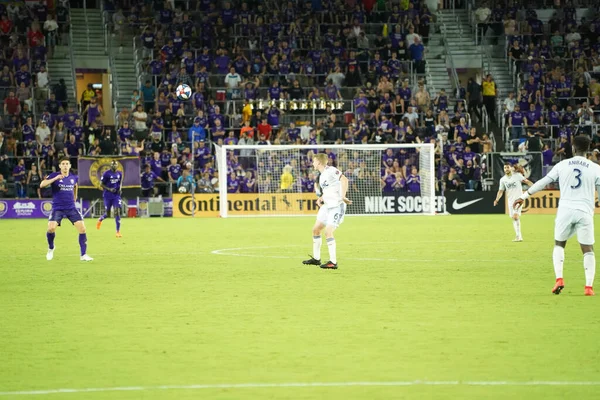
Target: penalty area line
[[298, 385]]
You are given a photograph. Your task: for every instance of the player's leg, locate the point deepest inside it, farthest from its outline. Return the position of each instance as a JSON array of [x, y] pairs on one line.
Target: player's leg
[[78, 223], [585, 236], [315, 259], [516, 220], [558, 260], [50, 235], [331, 246], [107, 205], [563, 230], [116, 206], [334, 219]]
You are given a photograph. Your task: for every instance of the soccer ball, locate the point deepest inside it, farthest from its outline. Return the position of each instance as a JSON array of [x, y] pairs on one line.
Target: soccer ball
[[182, 189], [188, 165], [183, 92]]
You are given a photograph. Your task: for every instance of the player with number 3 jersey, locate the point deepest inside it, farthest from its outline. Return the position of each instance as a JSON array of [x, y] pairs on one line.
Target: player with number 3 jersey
[[331, 188], [579, 180]]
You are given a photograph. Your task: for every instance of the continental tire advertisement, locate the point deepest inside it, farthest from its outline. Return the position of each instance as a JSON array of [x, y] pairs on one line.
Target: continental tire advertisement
[[545, 202], [207, 205]]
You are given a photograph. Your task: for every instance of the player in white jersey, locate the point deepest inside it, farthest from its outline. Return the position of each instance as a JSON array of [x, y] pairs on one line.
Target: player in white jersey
[[512, 184], [579, 179], [331, 188]]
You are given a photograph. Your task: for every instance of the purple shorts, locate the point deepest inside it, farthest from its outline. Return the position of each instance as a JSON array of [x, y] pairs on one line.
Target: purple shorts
[[112, 202], [73, 215]]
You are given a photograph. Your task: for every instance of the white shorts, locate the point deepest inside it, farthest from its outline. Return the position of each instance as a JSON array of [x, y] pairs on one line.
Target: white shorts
[[332, 216], [568, 222], [511, 210]]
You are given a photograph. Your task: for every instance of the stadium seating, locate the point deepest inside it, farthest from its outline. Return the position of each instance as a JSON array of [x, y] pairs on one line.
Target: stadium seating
[[33, 102], [325, 70]]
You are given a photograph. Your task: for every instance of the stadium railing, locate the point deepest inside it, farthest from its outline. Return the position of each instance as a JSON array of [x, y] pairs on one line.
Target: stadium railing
[[551, 130], [108, 50], [87, 24]]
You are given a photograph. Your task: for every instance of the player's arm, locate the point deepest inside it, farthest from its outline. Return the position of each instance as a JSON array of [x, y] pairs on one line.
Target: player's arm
[[104, 187], [48, 182], [500, 192], [344, 183], [498, 196], [527, 182], [539, 185], [75, 192]]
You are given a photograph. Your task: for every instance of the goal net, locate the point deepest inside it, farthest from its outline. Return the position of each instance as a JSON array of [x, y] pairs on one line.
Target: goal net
[[278, 180]]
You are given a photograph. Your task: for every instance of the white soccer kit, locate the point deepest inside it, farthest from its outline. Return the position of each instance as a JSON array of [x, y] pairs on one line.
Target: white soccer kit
[[578, 179], [513, 186], [333, 209]]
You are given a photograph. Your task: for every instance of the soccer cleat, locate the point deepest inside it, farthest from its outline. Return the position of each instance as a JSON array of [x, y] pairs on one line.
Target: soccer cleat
[[518, 239], [558, 286], [50, 254], [329, 265], [85, 257], [311, 261], [98, 224], [119, 235], [588, 291]]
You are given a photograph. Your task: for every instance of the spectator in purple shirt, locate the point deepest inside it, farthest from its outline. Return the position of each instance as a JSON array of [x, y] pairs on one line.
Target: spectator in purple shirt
[[331, 91], [222, 62], [413, 181], [19, 174], [516, 121]]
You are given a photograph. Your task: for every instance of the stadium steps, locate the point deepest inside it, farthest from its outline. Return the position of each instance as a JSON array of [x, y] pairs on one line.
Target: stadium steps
[[59, 67], [124, 75], [438, 76], [461, 40], [88, 37]]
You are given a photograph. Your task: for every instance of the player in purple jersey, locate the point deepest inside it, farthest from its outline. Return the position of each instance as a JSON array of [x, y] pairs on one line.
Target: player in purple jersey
[[111, 183], [64, 193]]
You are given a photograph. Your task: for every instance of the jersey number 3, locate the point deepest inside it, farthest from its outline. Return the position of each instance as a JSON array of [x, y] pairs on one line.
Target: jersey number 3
[[578, 177]]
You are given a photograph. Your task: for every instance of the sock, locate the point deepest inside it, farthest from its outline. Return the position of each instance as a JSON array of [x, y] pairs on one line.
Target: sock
[[50, 237], [558, 258], [589, 264], [331, 245], [103, 217], [83, 243], [317, 247], [517, 226], [118, 222]]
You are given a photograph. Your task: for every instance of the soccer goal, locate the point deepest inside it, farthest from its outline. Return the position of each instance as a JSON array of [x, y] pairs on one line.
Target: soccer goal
[[278, 180]]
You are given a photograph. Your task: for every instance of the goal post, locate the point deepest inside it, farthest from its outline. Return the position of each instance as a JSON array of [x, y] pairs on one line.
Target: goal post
[[278, 180]]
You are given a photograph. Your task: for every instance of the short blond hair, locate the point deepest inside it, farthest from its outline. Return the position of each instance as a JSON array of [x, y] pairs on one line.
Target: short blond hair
[[322, 158]]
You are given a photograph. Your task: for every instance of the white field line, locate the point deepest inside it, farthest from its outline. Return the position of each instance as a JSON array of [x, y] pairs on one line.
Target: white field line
[[235, 252], [228, 251], [298, 385]]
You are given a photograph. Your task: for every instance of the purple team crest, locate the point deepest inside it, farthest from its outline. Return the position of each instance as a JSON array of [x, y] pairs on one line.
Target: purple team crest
[[91, 170]]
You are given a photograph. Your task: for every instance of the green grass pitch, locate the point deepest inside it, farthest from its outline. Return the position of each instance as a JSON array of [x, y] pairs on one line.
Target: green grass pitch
[[227, 301]]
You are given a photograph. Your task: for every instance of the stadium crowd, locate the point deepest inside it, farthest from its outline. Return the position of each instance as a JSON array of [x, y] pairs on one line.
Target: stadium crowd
[[557, 65], [279, 73]]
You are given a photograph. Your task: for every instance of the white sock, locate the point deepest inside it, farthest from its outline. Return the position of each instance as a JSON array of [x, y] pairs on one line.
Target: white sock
[[589, 264], [332, 253], [558, 259], [317, 247], [517, 226]]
